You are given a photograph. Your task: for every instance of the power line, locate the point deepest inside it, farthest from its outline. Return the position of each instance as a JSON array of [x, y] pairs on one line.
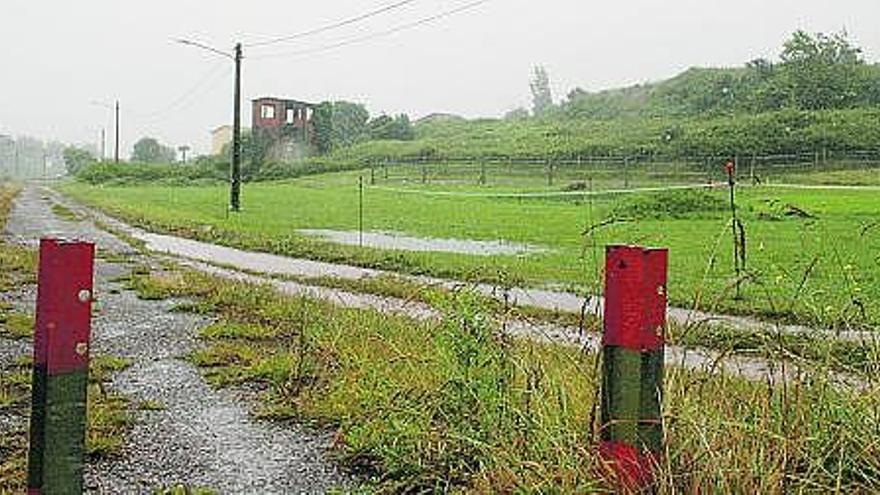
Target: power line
[[335, 25], [207, 82], [371, 36]]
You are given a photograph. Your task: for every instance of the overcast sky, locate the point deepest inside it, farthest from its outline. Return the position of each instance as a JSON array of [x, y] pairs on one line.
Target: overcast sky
[[59, 56]]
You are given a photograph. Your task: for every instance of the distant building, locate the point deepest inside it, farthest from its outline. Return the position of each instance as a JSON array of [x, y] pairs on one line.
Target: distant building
[[220, 137], [285, 124]]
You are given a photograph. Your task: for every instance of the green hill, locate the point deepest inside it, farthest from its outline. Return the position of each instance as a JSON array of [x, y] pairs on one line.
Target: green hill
[[821, 95]]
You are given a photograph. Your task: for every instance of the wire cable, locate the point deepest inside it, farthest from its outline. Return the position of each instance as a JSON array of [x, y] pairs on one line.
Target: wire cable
[[208, 77], [538, 195], [371, 36], [329, 27]]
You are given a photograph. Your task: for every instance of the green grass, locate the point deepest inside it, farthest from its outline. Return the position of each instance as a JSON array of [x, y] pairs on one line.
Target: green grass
[[455, 405], [151, 405], [856, 176], [15, 325], [185, 490], [108, 418], [799, 269], [849, 357], [65, 213]]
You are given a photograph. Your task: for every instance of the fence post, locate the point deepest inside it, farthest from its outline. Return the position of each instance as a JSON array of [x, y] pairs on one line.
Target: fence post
[[482, 172], [61, 367], [424, 171], [549, 173], [361, 211], [626, 172], [631, 432], [752, 167]]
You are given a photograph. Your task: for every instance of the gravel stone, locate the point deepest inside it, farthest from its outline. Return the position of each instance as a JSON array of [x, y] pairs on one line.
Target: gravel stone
[[203, 437]]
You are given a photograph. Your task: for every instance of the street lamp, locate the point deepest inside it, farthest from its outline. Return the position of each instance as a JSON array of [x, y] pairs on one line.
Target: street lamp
[[115, 109], [235, 56]]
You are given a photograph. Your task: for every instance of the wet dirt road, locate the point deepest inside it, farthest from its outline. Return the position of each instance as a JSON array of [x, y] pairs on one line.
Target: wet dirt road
[[201, 437]]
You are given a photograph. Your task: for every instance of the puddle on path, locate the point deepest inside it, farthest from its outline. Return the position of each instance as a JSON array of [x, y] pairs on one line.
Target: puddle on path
[[394, 240]]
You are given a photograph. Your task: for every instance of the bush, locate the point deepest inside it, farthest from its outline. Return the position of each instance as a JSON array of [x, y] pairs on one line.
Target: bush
[[204, 171], [137, 173], [681, 203]]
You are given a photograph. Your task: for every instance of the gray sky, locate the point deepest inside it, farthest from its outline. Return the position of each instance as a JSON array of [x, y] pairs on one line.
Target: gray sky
[[58, 56]]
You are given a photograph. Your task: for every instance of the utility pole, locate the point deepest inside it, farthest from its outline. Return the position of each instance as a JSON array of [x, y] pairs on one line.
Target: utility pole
[[116, 153], [103, 144], [235, 173], [235, 190]]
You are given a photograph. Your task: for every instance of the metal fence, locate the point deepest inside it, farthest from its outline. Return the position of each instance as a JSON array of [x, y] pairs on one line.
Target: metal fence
[[609, 172]]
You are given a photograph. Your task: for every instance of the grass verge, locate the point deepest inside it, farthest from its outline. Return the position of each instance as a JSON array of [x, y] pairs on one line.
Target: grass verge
[[108, 418], [457, 405]]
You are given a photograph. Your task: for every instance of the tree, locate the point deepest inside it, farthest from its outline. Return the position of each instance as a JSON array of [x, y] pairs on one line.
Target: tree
[[822, 71], [149, 150], [397, 128], [254, 151], [76, 158], [322, 120], [542, 97], [349, 123], [339, 123]]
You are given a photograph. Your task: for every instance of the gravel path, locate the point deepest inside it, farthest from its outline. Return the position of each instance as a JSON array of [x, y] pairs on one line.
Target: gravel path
[[202, 437]]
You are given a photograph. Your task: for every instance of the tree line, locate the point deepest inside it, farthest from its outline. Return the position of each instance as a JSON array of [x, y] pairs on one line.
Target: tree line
[[814, 72]]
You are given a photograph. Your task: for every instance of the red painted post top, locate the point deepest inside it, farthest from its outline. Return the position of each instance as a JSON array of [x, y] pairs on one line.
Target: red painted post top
[[64, 305], [635, 297]]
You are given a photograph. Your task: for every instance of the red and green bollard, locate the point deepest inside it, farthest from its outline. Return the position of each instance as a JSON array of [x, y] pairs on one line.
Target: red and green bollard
[[631, 435], [61, 367]]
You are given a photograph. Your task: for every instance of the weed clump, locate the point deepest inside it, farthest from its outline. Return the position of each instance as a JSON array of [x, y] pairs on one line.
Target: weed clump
[[684, 203], [457, 404]]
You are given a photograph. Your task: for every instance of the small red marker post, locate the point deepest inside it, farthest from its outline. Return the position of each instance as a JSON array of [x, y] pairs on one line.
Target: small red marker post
[[631, 435], [61, 367]]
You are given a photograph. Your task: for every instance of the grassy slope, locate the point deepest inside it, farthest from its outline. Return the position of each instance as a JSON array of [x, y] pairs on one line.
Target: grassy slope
[[804, 268], [786, 131]]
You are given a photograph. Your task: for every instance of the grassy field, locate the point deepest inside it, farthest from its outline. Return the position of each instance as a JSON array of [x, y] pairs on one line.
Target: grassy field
[[812, 254]]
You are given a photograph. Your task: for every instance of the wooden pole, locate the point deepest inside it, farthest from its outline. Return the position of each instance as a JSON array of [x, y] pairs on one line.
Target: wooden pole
[[235, 182]]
